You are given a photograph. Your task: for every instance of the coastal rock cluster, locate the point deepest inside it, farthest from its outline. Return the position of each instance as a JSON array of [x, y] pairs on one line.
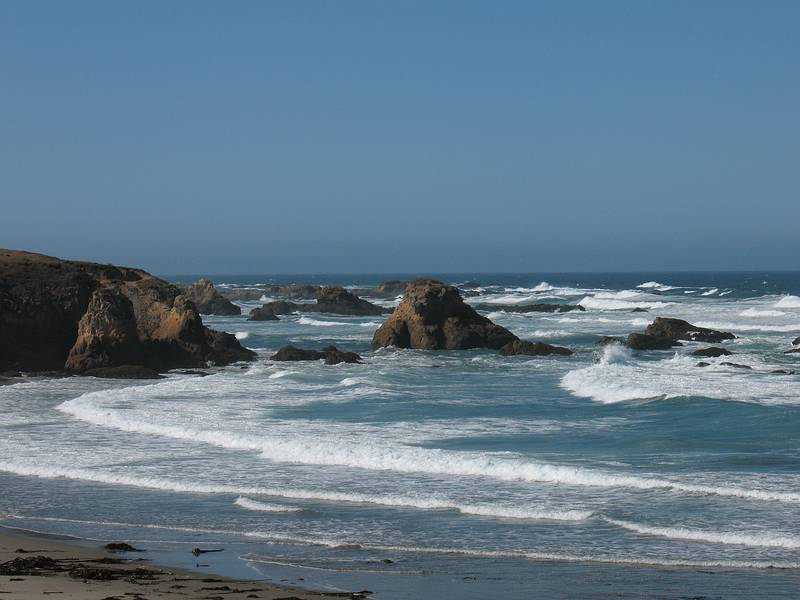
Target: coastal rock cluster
[[664, 333], [208, 300], [77, 316], [330, 299]]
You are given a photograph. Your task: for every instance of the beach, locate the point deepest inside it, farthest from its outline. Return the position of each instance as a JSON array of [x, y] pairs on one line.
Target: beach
[[34, 565]]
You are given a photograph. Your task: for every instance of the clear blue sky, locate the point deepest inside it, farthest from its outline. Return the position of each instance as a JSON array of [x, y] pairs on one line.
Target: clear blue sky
[[280, 137]]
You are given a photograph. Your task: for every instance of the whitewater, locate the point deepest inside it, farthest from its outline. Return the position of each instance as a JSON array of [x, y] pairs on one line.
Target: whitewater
[[439, 466]]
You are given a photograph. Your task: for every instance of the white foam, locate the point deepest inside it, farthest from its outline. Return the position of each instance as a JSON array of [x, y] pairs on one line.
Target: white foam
[[754, 312], [249, 504], [767, 540], [242, 335], [654, 285], [788, 302], [595, 303], [383, 455], [710, 292], [318, 323]]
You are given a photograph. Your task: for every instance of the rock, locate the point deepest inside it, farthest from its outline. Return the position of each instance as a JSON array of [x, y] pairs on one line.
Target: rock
[[392, 288], [278, 307], [529, 308], [29, 565], [121, 547], [639, 309], [208, 300], [610, 339], [123, 372], [712, 352], [533, 349], [331, 355], [796, 341], [643, 341], [247, 294], [703, 364], [782, 372], [294, 291], [264, 313], [338, 301], [792, 351], [736, 365], [676, 329], [57, 314], [433, 316]]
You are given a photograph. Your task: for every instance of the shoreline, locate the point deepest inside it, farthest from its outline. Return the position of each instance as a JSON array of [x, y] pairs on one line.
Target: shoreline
[[73, 571]]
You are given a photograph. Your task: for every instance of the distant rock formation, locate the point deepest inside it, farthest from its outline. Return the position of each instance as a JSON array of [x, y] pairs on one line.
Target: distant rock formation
[[529, 308], [331, 355], [533, 349], [57, 314], [208, 300], [712, 352], [433, 316], [294, 291], [246, 294], [676, 329], [332, 299]]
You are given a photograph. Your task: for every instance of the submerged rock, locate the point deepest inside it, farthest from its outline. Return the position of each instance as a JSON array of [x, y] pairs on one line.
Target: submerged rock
[[703, 364], [736, 365], [57, 314], [643, 341], [208, 300], [529, 308], [433, 316], [677, 329], [712, 352], [533, 349], [331, 355]]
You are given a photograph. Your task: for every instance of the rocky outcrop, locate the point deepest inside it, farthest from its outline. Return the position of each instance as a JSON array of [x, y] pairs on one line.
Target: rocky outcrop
[[337, 300], [610, 339], [265, 313], [433, 316], [712, 352], [796, 341], [529, 308], [208, 300], [273, 309], [676, 329], [533, 349], [643, 341], [57, 314], [331, 355], [391, 288], [294, 291], [246, 294]]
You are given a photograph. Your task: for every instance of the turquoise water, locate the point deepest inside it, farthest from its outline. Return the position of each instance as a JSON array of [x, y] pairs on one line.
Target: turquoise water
[[602, 473]]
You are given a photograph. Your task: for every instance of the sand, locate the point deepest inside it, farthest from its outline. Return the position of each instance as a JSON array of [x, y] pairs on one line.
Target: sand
[[48, 567]]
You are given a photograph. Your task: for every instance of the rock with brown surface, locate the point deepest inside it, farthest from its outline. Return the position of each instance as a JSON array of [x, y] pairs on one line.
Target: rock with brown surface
[[643, 341], [57, 314], [208, 300], [337, 300], [433, 316], [712, 352], [522, 347], [677, 329], [331, 355]]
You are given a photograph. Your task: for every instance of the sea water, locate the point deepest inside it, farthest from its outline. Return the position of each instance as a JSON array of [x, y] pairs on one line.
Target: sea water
[[463, 474]]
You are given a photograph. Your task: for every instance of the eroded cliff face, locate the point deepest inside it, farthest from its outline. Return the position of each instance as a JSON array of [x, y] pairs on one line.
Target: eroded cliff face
[[57, 314]]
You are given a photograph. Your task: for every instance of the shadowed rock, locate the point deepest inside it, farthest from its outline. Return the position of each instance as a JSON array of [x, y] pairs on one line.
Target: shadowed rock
[[643, 341], [610, 339], [57, 314], [433, 316], [208, 300], [337, 300], [712, 352], [331, 355], [676, 329], [533, 349], [736, 366], [123, 372]]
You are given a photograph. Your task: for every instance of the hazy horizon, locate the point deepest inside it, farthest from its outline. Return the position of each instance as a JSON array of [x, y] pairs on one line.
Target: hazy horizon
[[287, 138]]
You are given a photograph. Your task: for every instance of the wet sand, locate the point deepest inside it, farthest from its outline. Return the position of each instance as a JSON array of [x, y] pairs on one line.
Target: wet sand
[[40, 566]]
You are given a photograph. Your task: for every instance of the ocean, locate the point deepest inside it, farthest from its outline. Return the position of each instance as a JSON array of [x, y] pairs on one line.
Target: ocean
[[464, 474]]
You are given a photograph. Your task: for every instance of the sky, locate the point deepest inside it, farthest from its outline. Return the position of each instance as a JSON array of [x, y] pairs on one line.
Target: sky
[[367, 137]]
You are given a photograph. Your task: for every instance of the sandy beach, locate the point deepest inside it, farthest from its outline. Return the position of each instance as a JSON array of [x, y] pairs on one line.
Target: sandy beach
[[40, 566]]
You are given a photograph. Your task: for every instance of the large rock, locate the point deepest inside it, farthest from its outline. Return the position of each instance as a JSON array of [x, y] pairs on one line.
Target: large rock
[[533, 349], [676, 329], [331, 355], [208, 300], [433, 316], [643, 341], [57, 314], [529, 308], [796, 341], [338, 301]]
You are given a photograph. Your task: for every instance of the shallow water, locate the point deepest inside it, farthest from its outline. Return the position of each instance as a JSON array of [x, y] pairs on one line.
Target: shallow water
[[464, 469]]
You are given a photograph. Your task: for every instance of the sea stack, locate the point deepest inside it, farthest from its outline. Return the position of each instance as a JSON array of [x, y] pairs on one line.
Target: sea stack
[[433, 316], [208, 300], [57, 314]]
